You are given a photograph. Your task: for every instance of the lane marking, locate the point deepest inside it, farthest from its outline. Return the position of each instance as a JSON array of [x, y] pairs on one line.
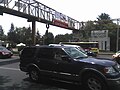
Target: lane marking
[[10, 68]]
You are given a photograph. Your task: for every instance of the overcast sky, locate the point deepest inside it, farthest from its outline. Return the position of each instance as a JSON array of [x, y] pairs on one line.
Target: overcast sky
[[81, 10]]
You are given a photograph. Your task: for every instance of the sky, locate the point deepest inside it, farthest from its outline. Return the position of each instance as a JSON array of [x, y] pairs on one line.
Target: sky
[[81, 10]]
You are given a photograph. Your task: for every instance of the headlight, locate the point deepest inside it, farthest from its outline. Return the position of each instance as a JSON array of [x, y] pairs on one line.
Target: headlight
[[109, 70]]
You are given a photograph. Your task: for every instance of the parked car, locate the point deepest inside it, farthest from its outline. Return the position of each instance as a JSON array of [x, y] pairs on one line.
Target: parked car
[[68, 63], [89, 53], [116, 57], [117, 54], [5, 53]]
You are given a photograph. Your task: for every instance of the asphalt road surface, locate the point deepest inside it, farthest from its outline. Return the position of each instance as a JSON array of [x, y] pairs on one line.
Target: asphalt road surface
[[11, 78]]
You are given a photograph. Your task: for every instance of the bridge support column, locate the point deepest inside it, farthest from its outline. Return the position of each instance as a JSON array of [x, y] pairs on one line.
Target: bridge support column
[[1, 12], [33, 32]]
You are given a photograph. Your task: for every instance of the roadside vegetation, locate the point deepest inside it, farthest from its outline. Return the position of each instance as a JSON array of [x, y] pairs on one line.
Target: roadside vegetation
[[18, 35]]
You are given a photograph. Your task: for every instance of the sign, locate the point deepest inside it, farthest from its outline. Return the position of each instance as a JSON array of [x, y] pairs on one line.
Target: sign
[[60, 23], [99, 34], [60, 16], [4, 1]]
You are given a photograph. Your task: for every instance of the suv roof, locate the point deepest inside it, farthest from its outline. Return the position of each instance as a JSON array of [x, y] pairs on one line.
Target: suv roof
[[49, 46], [63, 45]]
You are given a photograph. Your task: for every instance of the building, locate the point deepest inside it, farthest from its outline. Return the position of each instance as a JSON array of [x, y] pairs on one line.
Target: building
[[101, 36]]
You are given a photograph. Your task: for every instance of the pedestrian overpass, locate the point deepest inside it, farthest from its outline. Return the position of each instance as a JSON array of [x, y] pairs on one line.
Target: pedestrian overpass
[[33, 11]]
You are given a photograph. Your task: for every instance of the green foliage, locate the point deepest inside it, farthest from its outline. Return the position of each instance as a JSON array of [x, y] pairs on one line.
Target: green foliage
[[48, 38], [38, 38], [18, 35], [63, 38], [103, 16], [24, 34], [103, 22], [113, 38], [2, 35], [12, 28]]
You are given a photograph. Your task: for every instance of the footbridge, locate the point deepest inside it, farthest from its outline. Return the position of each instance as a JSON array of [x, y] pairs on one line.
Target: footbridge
[[33, 11]]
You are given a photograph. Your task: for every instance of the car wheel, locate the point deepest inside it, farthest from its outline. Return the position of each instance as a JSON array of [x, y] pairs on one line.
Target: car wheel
[[34, 75], [94, 82]]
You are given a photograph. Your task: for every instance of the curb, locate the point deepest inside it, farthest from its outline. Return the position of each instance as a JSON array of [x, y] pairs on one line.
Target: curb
[[105, 53], [4, 62]]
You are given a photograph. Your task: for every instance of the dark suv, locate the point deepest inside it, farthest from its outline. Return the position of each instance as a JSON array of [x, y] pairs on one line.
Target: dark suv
[[70, 64]]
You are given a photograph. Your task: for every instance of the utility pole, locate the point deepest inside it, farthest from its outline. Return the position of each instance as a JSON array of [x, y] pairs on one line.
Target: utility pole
[[117, 42], [33, 32], [117, 33]]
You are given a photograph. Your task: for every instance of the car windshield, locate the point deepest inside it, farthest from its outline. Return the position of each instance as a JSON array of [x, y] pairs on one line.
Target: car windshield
[[75, 53], [3, 48]]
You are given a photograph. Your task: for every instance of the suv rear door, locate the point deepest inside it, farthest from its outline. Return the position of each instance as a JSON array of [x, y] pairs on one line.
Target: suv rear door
[[46, 61], [27, 56]]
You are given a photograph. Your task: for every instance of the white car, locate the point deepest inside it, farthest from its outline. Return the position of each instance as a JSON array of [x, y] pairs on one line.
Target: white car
[[117, 54], [76, 46], [80, 48]]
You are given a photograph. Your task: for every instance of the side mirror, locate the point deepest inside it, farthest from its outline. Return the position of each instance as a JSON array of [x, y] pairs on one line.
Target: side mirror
[[91, 54]]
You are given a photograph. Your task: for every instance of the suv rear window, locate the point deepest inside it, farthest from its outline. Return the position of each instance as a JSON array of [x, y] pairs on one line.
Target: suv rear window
[[28, 52], [45, 53]]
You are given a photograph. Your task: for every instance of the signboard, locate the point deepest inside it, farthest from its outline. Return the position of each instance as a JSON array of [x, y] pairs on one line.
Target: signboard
[[60, 16], [60, 23], [99, 34], [39, 10], [4, 1], [63, 21]]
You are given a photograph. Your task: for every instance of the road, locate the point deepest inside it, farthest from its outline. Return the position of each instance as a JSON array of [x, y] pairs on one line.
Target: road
[[11, 78]]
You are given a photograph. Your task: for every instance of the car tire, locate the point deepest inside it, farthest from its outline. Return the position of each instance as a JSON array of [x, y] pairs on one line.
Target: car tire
[[34, 74], [94, 82]]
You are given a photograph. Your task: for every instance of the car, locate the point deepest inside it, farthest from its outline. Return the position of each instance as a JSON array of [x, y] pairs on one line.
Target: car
[[67, 63], [89, 53], [5, 53], [116, 56], [76, 46]]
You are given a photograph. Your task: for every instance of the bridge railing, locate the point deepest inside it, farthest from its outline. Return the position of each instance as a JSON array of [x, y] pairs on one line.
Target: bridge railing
[[41, 11]]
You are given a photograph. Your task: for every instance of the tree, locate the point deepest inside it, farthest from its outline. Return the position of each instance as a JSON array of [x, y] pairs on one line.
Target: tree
[[12, 28], [24, 35], [20, 35], [103, 21], [28, 36], [103, 16], [63, 38], [48, 38], [38, 38], [1, 31], [2, 35], [12, 34], [90, 25]]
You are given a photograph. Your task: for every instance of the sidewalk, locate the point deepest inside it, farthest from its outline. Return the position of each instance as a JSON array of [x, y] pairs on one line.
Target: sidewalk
[[13, 59], [106, 53]]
